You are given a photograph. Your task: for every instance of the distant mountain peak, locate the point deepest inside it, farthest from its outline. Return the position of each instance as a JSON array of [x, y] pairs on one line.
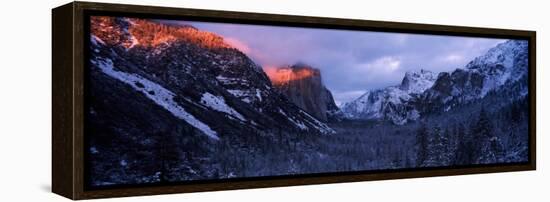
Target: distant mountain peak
[[418, 81], [388, 102], [500, 64], [502, 54]]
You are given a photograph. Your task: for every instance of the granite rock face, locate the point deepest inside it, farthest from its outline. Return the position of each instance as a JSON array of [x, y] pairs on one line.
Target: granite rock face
[[303, 86]]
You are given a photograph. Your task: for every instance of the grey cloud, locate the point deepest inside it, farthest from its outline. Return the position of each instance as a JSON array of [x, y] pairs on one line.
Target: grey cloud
[[352, 62]]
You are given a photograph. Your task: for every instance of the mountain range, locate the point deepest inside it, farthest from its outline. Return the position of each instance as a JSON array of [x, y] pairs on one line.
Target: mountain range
[[221, 80], [422, 92]]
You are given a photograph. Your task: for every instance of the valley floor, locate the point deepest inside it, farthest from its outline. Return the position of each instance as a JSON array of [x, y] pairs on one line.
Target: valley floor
[[476, 137]]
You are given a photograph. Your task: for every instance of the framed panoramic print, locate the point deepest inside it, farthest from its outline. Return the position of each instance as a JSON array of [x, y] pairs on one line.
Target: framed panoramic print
[[155, 100]]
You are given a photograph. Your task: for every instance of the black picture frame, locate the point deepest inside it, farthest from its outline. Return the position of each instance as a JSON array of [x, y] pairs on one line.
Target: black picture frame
[[70, 24]]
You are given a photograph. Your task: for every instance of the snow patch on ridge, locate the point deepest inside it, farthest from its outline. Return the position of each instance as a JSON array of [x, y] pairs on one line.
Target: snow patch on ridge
[[259, 94], [96, 40], [161, 96], [135, 42], [230, 81], [297, 123], [320, 126], [241, 94], [218, 103]]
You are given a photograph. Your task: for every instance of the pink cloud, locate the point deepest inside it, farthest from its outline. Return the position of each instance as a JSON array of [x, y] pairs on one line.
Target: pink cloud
[[238, 44]]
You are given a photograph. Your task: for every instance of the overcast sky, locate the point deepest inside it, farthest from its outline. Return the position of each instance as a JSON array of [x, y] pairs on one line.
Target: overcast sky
[[351, 62]]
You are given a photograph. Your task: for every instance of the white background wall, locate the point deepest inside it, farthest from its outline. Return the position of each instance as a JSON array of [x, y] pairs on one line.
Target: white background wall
[[25, 102]]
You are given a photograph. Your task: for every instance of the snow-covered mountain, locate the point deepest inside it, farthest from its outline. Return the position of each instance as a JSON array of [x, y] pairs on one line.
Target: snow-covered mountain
[[416, 82], [194, 75], [501, 70], [391, 102], [505, 63], [152, 85]]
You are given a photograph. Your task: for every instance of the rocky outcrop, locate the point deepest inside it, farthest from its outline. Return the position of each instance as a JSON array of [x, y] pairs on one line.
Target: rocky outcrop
[[303, 86]]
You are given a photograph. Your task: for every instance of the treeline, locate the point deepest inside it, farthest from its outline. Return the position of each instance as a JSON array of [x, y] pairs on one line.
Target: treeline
[[488, 138]]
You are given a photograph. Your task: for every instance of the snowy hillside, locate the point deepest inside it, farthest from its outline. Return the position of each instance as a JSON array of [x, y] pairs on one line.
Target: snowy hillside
[[422, 92], [390, 103]]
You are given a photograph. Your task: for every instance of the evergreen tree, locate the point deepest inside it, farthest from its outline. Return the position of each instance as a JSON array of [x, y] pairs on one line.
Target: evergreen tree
[[488, 148], [464, 149], [437, 148], [446, 140], [421, 145], [493, 152]]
